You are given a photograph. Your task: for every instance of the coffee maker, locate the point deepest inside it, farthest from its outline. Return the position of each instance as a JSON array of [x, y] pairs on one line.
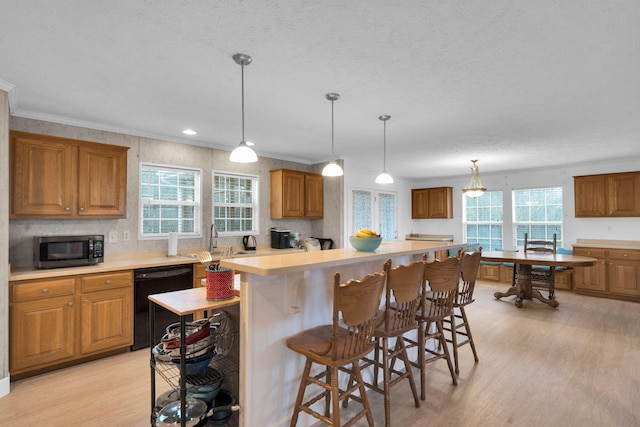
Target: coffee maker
[[280, 238]]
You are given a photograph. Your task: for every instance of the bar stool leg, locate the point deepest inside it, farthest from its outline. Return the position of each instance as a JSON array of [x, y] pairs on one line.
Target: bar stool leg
[[469, 336], [303, 386], [454, 341], [443, 342], [423, 328]]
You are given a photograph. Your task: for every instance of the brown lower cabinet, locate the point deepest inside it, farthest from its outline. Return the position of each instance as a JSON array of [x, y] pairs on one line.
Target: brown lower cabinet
[[615, 275], [60, 320]]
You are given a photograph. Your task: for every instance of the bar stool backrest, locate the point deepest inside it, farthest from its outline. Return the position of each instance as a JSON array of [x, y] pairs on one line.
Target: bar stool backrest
[[469, 266], [443, 277], [359, 302], [404, 283]]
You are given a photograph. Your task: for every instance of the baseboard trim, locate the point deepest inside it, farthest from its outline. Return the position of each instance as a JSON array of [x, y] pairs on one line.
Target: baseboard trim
[[5, 386]]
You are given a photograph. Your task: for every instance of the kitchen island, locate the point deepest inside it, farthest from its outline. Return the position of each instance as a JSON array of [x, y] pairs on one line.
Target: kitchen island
[[281, 295]]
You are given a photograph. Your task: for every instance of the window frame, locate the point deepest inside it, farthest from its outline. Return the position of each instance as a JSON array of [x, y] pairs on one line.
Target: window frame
[[548, 224], [197, 203], [466, 222], [255, 205]]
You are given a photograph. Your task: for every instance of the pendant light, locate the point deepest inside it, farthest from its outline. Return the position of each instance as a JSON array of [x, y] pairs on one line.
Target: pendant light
[[332, 169], [243, 153], [474, 188], [384, 177]]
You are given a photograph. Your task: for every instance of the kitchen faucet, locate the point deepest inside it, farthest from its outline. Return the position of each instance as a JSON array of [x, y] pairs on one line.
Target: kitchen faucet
[[213, 238]]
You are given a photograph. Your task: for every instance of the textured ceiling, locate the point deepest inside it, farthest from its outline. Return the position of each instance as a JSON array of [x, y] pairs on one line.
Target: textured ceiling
[[508, 82]]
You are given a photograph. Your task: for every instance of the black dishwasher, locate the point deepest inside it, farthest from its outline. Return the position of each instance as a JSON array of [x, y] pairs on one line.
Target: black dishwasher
[[156, 280]]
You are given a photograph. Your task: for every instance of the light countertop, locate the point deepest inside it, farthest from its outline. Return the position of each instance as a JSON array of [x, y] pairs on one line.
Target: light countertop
[[607, 244], [295, 262], [129, 261]]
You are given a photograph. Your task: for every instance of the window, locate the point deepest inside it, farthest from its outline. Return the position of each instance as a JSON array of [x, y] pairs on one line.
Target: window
[[169, 201], [235, 203], [483, 220], [538, 212], [374, 210]]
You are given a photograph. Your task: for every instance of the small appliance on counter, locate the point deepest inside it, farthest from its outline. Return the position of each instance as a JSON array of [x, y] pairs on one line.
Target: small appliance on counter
[[67, 251], [280, 238], [310, 244], [249, 243], [325, 243]]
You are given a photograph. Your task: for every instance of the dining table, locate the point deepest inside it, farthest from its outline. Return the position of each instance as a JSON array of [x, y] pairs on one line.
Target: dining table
[[523, 265]]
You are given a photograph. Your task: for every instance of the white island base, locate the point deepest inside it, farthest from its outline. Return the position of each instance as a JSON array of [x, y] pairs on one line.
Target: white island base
[[281, 295]]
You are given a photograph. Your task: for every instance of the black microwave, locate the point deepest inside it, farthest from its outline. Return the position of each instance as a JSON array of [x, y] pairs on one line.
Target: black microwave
[[67, 251]]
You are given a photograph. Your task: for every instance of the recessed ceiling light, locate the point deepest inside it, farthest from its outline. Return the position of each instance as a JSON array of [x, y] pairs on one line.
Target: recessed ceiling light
[[189, 132]]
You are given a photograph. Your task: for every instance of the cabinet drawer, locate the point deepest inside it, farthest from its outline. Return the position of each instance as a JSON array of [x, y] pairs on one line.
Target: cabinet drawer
[[42, 289], [101, 282], [594, 253], [624, 254]]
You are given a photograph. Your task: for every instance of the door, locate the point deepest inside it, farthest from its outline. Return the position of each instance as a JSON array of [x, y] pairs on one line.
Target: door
[[623, 194], [42, 332], [43, 177], [106, 320], [314, 196], [102, 181], [591, 278], [589, 196], [624, 272], [376, 210]]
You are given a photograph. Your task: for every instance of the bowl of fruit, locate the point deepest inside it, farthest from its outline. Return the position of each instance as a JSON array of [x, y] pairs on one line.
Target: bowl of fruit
[[365, 240]]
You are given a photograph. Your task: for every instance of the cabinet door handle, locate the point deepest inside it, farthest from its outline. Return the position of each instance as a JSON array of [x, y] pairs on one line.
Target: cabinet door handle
[[70, 303], [67, 209], [626, 255], [81, 209], [45, 290], [108, 282]]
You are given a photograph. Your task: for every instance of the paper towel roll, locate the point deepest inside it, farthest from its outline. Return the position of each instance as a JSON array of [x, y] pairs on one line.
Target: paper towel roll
[[173, 244]]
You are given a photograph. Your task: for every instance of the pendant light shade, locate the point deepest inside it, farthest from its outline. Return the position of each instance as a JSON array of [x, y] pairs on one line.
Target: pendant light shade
[[243, 153], [384, 177], [332, 169], [474, 188]]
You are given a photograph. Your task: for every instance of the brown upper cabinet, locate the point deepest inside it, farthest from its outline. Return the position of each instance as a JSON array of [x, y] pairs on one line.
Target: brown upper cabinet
[[607, 195], [434, 202], [296, 194], [62, 178]]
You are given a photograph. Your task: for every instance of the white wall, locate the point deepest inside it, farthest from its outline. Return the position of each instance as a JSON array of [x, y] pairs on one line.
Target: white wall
[[574, 228]]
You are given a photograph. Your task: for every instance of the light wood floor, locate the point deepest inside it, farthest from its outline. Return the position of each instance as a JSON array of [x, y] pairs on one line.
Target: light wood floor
[[578, 365]]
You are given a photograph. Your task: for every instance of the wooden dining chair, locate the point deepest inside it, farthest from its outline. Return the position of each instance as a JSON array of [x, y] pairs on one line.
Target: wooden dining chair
[[403, 296], [436, 304], [335, 346], [542, 277], [458, 324]]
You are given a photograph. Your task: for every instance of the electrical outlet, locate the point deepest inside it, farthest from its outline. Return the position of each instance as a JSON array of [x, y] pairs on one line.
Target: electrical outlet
[[113, 236], [126, 236]]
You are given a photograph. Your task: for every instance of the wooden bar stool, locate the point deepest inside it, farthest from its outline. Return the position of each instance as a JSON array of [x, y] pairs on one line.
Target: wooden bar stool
[[335, 346], [436, 304], [403, 296], [458, 324]]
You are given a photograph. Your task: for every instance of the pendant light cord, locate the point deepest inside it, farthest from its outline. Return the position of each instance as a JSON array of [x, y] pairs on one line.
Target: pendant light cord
[[242, 90], [384, 147], [332, 155]]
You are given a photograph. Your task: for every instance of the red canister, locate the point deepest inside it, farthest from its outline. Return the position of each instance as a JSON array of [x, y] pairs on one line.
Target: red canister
[[220, 284]]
